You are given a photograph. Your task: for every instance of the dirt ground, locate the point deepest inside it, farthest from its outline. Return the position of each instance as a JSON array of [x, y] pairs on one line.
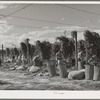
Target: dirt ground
[[23, 80]]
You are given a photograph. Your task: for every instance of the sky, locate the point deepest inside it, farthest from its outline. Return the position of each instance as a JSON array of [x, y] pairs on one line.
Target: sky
[[45, 21]]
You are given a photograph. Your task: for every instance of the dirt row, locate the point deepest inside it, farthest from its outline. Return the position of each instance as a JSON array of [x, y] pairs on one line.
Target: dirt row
[[23, 80]]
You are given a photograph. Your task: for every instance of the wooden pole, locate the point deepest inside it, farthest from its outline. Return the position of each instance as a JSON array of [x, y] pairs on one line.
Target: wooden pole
[[87, 52], [76, 52], [28, 57], [2, 52], [74, 35], [28, 53]]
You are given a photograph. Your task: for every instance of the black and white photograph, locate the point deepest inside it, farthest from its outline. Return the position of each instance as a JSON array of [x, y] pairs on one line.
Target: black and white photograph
[[50, 47]]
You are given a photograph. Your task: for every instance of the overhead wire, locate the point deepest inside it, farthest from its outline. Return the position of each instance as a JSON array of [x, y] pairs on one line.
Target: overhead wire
[[17, 11], [69, 24], [11, 15], [79, 9]]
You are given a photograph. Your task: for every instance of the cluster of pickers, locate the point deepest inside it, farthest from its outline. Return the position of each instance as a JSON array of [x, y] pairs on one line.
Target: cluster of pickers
[[71, 51]]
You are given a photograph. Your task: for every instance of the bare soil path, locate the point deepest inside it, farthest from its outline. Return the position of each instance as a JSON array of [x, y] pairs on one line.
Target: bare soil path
[[23, 80]]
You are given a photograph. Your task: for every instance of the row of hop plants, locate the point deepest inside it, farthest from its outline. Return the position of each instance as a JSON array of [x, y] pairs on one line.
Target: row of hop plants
[[66, 44], [47, 50], [92, 46]]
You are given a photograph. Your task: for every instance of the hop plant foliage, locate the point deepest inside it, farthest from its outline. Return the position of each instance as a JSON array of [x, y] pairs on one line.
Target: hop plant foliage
[[45, 48], [81, 45], [23, 48], [92, 40], [7, 51], [67, 46], [56, 47]]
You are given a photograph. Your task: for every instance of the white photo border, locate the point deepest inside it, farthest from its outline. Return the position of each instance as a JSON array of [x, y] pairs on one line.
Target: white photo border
[[45, 94]]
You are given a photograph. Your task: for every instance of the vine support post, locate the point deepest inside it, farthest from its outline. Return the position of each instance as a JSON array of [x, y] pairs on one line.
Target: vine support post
[[74, 35], [2, 53]]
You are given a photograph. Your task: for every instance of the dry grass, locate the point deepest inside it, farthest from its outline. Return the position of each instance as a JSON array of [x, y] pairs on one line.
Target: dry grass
[[23, 80]]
